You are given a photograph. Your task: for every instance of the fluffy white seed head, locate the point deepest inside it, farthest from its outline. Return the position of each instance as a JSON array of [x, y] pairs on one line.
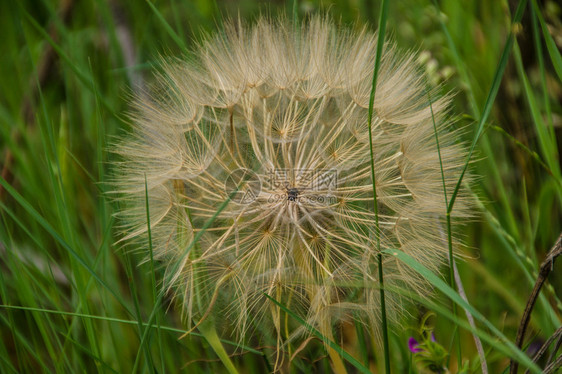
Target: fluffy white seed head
[[280, 112]]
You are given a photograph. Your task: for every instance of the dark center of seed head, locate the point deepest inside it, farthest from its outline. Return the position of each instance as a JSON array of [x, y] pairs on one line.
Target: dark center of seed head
[[292, 194]]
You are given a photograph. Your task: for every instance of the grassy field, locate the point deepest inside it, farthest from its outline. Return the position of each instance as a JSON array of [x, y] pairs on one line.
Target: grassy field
[[72, 300]]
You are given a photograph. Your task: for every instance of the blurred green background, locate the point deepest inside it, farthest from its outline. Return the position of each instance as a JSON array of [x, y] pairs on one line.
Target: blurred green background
[[66, 71]]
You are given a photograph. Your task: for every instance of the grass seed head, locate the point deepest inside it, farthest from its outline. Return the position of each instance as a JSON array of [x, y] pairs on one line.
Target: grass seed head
[[279, 111]]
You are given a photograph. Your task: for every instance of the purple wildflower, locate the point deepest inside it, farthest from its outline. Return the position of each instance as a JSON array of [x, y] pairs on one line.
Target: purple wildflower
[[412, 345]]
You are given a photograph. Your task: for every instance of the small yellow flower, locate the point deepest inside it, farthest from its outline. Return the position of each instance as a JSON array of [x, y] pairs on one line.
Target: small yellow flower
[[274, 117]]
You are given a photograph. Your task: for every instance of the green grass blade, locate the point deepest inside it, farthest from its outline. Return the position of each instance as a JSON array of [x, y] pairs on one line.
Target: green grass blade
[[546, 143], [126, 322], [27, 345], [137, 309], [152, 272], [449, 228], [458, 322], [459, 64], [380, 44], [492, 93], [179, 41], [553, 50], [98, 360], [542, 69], [210, 333], [195, 240], [526, 149], [438, 283], [42, 222], [84, 78]]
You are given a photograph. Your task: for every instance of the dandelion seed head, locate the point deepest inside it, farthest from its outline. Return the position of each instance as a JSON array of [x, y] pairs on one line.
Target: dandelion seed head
[[289, 105]]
